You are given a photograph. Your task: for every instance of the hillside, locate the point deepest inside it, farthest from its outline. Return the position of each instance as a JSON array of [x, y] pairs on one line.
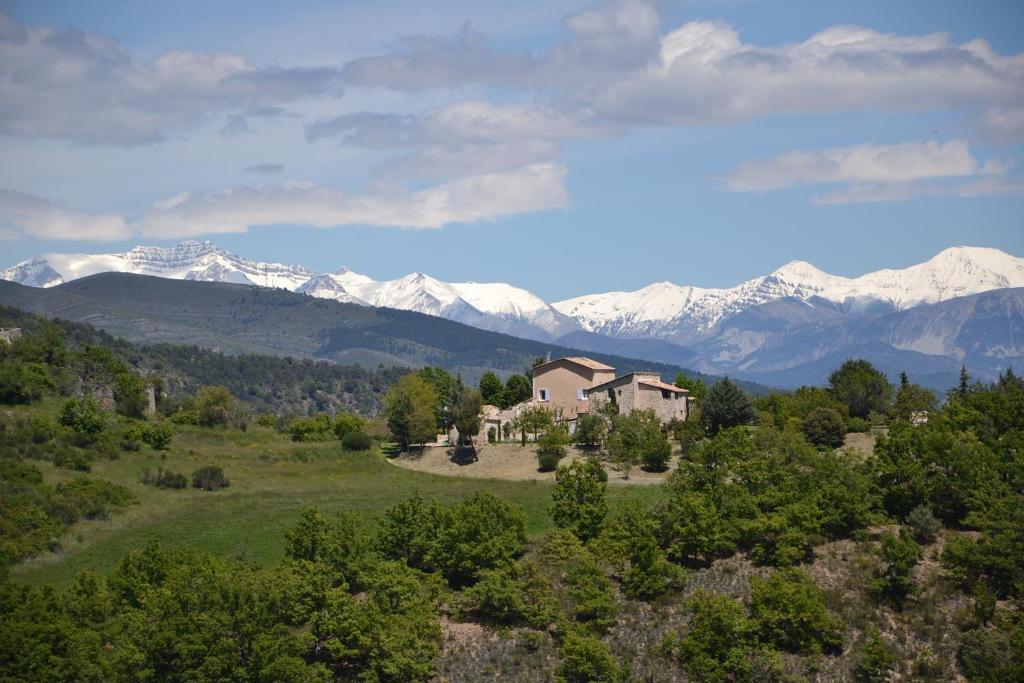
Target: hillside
[[237, 319]]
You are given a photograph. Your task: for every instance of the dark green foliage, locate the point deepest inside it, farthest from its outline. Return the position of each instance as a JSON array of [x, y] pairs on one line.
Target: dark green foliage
[[993, 655], [551, 447], [726, 406], [357, 441], [411, 406], [518, 595], [84, 416], [548, 462], [997, 557], [790, 613], [346, 423], [316, 428], [517, 389], [466, 415], [579, 498], [698, 390], [824, 427], [479, 532], [157, 435], [585, 659], [130, 394], [861, 388], [637, 438], [911, 398], [163, 479], [899, 556], [875, 659], [209, 478], [491, 388], [590, 430], [792, 408], [446, 390], [214, 405], [720, 643], [22, 382], [461, 541], [629, 542], [591, 594], [923, 523]]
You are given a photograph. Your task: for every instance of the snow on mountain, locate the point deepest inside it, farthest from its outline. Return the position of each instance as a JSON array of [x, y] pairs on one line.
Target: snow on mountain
[[186, 261], [684, 314]]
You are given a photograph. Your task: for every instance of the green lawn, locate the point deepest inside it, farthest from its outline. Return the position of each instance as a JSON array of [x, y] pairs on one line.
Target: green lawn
[[272, 480]]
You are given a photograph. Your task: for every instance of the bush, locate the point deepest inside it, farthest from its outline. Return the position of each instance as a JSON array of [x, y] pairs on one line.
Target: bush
[[790, 612], [553, 442], [895, 580], [923, 523], [718, 640], [344, 423], [23, 382], [824, 427], [548, 462], [585, 658], [492, 435], [84, 416], [157, 436], [478, 533], [590, 430], [875, 659], [89, 499], [858, 425], [214, 406], [579, 505], [311, 428], [356, 441], [209, 478], [163, 479], [987, 654]]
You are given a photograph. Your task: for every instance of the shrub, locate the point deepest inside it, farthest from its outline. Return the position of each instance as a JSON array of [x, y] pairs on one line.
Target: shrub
[[923, 523], [23, 382], [579, 505], [156, 435], [987, 654], [875, 659], [519, 595], [637, 438], [718, 639], [548, 462], [553, 442], [590, 430], [345, 423], [858, 425], [185, 417], [356, 441], [89, 499], [824, 427], [585, 658], [591, 593], [214, 406], [478, 533], [311, 428], [899, 556], [492, 435], [790, 613], [83, 416], [209, 478], [163, 479]]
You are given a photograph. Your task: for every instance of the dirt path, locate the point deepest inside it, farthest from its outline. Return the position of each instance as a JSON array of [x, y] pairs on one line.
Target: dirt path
[[508, 461]]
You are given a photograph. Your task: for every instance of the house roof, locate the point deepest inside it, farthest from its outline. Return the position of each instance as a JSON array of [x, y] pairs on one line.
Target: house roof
[[579, 360], [642, 378], [658, 384]]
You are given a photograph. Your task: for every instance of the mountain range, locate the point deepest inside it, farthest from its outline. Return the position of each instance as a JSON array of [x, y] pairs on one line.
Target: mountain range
[[780, 328]]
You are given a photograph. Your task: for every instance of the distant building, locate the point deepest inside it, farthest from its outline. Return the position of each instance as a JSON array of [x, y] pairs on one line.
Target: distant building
[[10, 334], [919, 417], [561, 385], [644, 391]]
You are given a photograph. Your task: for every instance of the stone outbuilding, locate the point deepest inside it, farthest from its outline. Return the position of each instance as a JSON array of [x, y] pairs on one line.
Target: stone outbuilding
[[644, 391]]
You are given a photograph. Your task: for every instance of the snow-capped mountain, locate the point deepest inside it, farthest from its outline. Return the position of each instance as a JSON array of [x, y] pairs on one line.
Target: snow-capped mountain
[[687, 314], [681, 314]]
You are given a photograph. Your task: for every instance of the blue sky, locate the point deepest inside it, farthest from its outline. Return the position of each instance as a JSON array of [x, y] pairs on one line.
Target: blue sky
[[564, 147]]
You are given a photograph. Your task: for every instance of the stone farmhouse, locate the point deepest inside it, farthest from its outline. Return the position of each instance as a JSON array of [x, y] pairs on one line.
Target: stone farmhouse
[[644, 391], [568, 386]]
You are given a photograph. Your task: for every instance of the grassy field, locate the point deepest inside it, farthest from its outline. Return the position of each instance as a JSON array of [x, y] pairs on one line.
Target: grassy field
[[272, 481]]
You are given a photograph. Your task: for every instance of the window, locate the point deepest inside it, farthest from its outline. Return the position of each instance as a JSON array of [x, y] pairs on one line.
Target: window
[[542, 394], [581, 394], [611, 395], [665, 393]]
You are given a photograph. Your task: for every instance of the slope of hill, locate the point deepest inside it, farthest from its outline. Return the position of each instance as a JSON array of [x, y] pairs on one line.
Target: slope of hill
[[245, 319]]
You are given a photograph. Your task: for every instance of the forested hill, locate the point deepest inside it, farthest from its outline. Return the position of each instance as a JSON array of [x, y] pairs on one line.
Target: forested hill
[[238, 319], [274, 384]]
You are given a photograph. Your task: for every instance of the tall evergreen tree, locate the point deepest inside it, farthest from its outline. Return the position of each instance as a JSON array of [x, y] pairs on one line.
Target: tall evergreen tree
[[726, 406]]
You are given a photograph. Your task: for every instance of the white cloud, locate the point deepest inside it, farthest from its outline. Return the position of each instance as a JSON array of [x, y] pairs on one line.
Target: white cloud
[[859, 164], [27, 215], [879, 173], [468, 199], [898, 192], [619, 68], [86, 88]]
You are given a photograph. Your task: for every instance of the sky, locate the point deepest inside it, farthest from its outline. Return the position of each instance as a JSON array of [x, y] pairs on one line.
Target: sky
[[564, 147]]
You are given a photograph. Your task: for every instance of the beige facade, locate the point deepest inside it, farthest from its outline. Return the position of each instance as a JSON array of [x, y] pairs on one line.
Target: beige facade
[[561, 385], [644, 391]]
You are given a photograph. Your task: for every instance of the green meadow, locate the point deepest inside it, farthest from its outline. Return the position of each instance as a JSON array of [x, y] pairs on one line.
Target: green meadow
[[272, 480]]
